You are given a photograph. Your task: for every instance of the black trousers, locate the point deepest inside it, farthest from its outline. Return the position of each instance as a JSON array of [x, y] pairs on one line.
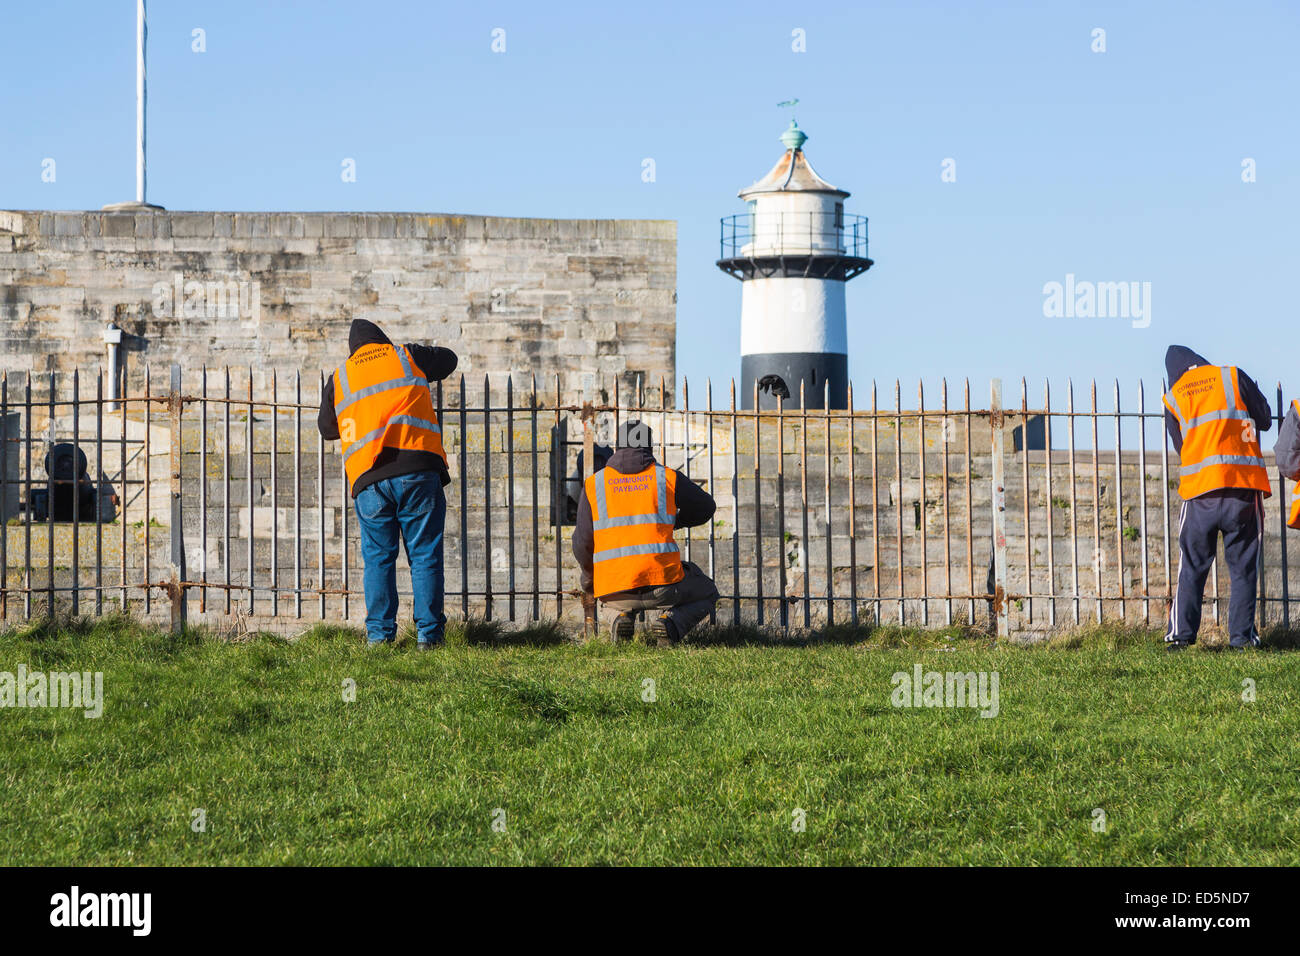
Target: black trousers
[[1237, 514]]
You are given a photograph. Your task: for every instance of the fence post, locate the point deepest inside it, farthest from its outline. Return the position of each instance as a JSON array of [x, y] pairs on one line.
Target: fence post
[[1000, 610], [589, 622], [1281, 527], [176, 588]]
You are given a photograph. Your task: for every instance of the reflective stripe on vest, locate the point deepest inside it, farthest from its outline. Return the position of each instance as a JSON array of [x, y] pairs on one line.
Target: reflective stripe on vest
[[377, 409], [1254, 460], [635, 549], [409, 378], [370, 436], [611, 554], [601, 521], [1219, 414], [1217, 452]]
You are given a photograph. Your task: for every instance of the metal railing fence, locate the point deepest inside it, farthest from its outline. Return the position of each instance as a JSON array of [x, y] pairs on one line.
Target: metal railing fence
[[214, 494]]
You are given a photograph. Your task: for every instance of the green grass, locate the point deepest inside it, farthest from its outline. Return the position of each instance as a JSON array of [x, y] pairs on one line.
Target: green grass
[[744, 730]]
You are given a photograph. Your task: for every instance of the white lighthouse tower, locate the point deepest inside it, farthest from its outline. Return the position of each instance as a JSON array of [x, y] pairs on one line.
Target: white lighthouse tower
[[793, 251]]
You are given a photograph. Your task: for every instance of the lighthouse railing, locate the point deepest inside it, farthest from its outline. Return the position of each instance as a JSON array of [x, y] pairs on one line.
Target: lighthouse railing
[[758, 234]]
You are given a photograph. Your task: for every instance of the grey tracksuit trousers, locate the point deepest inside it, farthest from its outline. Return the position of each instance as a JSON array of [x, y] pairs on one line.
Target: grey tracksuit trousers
[[688, 602], [1237, 514]]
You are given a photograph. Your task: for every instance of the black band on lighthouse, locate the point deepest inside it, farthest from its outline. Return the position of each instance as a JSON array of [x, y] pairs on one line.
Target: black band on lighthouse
[[814, 369]]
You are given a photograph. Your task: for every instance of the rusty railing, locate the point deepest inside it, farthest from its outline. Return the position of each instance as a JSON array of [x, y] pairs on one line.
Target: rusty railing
[[212, 496]]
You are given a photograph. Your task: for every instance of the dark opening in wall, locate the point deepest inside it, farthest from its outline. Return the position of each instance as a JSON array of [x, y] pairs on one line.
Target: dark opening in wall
[[1037, 431]]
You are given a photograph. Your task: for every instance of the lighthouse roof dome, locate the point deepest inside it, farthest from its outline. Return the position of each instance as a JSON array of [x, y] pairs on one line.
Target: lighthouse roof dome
[[792, 172]]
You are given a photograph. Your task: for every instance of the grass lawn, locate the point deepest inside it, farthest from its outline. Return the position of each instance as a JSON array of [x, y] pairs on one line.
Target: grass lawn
[[555, 744]]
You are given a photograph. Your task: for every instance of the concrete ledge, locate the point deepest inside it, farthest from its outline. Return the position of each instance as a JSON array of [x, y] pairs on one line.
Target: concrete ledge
[[377, 225]]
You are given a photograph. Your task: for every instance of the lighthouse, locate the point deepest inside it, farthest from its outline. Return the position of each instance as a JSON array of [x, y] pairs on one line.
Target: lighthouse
[[793, 251]]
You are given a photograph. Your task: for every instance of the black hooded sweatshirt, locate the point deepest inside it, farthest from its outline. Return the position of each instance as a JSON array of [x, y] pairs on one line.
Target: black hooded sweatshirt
[[695, 506], [434, 362], [1179, 359]]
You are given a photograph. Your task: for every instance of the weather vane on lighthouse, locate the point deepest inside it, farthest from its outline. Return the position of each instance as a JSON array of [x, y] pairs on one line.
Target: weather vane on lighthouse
[[793, 252]]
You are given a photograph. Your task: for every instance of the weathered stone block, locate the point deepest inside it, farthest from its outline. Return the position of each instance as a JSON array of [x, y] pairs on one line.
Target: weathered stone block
[[191, 224]]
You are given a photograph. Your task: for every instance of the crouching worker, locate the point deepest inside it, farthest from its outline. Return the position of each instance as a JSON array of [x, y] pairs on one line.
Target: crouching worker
[[624, 541], [379, 405]]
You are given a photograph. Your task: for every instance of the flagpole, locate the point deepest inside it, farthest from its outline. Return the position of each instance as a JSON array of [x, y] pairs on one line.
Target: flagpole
[[140, 204], [141, 37]]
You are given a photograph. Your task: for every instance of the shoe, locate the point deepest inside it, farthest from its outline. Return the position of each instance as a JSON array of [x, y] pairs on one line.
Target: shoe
[[1172, 646], [623, 627], [428, 645], [374, 644], [664, 631]]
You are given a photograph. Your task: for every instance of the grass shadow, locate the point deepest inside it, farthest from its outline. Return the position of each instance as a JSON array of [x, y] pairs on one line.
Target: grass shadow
[[1111, 637], [1279, 637], [531, 698], [57, 640], [63, 627], [327, 633], [742, 634], [476, 632], [536, 699], [845, 634]]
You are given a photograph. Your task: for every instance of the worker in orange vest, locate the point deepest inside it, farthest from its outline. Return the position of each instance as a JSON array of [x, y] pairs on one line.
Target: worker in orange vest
[[624, 543], [1214, 414], [378, 404], [1287, 453]]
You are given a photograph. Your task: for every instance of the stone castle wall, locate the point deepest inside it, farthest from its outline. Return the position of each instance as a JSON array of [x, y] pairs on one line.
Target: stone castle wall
[[581, 299]]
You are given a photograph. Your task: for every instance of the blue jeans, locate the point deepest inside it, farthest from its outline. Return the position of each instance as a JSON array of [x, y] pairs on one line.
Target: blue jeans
[[413, 507]]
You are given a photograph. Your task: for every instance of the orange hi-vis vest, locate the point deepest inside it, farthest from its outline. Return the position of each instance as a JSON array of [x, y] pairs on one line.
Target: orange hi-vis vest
[[382, 401], [1220, 443], [1293, 520], [632, 529]]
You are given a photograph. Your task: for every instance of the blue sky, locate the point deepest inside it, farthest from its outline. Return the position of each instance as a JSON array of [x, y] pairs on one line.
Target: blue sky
[[1117, 166]]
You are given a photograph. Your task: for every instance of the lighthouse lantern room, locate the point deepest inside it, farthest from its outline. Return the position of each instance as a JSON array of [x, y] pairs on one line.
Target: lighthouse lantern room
[[793, 252]]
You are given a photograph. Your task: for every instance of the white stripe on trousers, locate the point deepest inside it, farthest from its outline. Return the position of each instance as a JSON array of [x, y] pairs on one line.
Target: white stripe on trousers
[[1172, 631]]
